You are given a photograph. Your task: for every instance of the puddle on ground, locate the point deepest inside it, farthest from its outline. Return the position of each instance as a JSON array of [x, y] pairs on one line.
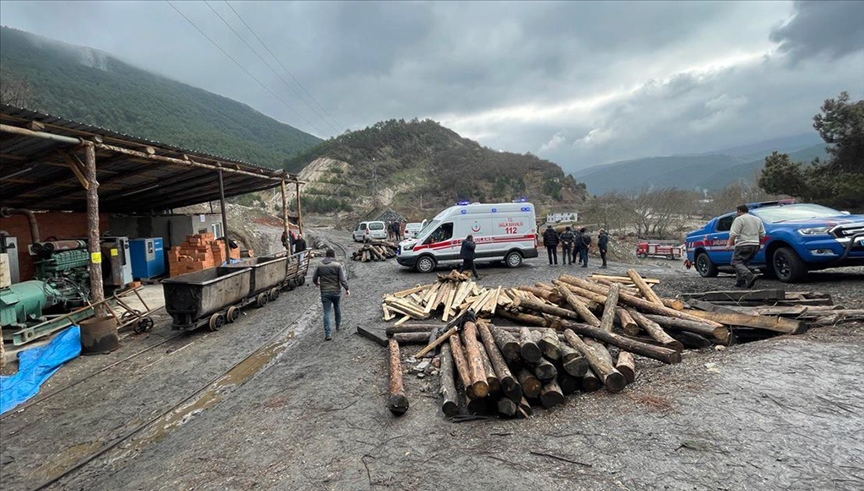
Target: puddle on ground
[[59, 464]]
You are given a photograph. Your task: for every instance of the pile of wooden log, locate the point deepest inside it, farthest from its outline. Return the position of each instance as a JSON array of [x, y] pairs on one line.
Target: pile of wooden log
[[573, 334], [375, 251]]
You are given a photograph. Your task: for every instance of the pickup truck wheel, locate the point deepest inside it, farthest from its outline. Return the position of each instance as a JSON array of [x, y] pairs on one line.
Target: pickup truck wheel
[[704, 266], [425, 264], [788, 267], [641, 256], [513, 259]]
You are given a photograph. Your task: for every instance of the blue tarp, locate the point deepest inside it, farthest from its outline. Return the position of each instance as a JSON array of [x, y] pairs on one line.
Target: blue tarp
[[36, 365]]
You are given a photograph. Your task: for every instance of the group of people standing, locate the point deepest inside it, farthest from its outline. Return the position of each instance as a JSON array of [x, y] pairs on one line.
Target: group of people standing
[[394, 231], [574, 245]]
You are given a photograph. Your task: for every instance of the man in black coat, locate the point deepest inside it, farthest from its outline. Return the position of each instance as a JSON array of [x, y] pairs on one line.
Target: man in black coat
[[550, 240], [603, 245], [467, 255], [584, 244], [567, 239]]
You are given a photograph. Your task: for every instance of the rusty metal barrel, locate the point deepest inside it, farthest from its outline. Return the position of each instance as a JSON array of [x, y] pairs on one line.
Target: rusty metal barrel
[[99, 335]]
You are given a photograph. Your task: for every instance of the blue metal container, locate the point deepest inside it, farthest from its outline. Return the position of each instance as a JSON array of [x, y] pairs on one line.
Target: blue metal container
[[148, 259]]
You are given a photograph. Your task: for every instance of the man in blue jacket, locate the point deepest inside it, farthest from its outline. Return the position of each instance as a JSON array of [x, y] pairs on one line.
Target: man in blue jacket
[[467, 255]]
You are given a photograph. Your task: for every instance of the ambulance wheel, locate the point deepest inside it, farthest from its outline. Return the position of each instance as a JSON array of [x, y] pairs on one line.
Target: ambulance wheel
[[274, 294], [704, 266], [513, 259], [426, 264], [262, 299], [216, 322]]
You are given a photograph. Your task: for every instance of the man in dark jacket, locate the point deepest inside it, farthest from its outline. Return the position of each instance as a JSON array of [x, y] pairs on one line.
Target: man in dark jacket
[[567, 239], [550, 240], [467, 255], [330, 277], [602, 245], [300, 246], [584, 244]]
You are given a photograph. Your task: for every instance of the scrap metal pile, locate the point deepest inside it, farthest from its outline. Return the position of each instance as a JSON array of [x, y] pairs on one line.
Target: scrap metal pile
[[572, 334], [375, 251]]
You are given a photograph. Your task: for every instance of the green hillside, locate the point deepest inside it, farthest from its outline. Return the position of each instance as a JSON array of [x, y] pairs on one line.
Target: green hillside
[[748, 170], [683, 172], [93, 87], [408, 163]]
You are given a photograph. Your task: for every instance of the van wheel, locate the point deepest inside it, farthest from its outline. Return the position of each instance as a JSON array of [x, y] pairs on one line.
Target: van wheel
[[425, 264], [513, 259], [788, 267]]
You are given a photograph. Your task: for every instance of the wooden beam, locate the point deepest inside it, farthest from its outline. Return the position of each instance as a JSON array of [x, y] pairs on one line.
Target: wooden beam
[[77, 168]]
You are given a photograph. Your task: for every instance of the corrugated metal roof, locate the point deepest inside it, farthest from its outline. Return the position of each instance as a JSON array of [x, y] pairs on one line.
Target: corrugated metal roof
[[34, 172]]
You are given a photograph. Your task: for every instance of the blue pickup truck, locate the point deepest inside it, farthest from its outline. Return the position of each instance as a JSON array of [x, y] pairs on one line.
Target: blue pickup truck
[[799, 237]]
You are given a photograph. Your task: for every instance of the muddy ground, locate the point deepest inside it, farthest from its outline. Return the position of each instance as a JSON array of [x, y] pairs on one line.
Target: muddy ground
[[302, 413]]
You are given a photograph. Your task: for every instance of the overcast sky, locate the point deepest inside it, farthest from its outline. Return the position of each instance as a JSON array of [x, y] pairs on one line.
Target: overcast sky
[[578, 83]]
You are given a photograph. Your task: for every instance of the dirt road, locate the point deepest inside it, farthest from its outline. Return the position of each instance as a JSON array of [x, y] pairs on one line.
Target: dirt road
[[308, 414]]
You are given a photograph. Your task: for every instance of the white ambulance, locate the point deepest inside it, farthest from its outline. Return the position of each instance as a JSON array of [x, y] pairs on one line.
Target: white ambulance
[[502, 231]]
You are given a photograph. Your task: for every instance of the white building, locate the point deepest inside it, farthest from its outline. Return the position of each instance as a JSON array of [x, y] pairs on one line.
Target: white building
[[562, 216]]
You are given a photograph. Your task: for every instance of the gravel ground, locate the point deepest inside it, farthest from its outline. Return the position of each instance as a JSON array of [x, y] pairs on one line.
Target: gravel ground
[[777, 414]]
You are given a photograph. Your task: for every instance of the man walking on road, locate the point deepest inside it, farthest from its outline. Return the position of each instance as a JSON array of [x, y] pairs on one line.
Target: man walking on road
[[746, 235], [330, 277], [602, 245], [467, 255], [550, 240], [300, 246], [567, 239]]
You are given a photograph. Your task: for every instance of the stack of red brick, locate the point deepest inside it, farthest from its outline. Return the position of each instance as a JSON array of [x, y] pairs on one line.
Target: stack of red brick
[[197, 253]]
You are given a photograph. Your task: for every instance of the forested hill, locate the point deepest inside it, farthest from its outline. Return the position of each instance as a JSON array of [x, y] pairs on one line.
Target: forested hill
[[93, 87], [408, 163]]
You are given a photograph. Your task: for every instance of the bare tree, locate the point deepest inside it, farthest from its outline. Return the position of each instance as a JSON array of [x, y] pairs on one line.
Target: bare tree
[[15, 91]]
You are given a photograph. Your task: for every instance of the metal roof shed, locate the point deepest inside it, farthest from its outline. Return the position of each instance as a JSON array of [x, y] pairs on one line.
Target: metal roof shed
[[55, 164]]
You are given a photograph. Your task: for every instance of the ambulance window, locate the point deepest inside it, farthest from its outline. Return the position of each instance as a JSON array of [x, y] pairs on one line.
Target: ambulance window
[[444, 232]]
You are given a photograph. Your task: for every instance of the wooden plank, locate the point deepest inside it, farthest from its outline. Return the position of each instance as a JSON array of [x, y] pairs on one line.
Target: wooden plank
[[738, 295], [776, 324], [375, 335]]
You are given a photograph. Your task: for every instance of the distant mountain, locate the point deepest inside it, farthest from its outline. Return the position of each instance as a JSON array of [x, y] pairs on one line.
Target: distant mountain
[[412, 166], [712, 170], [96, 88]]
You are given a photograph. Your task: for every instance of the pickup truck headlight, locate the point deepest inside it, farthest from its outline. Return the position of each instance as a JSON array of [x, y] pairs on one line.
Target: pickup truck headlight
[[813, 231]]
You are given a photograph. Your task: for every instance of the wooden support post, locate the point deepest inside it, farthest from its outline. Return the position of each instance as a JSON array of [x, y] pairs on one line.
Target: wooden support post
[[224, 218], [97, 291], [299, 214], [285, 214], [397, 403]]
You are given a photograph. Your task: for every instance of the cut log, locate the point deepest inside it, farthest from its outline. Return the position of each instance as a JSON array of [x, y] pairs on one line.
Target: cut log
[[643, 287], [720, 334], [568, 383], [692, 340], [549, 344], [509, 386], [507, 344], [624, 279], [572, 361], [738, 295], [491, 379], [628, 325], [530, 383], [577, 305], [655, 331], [397, 403], [476, 369], [590, 382], [524, 409], [776, 324], [521, 317], [609, 307], [673, 303], [412, 337], [434, 344], [665, 355], [461, 365], [551, 395], [626, 365], [545, 308], [478, 405], [528, 349], [611, 378], [449, 396], [506, 407], [545, 294], [424, 328], [544, 370]]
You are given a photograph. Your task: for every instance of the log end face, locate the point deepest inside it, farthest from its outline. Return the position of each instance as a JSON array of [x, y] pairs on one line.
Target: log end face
[[615, 382], [480, 389], [450, 409], [398, 404]]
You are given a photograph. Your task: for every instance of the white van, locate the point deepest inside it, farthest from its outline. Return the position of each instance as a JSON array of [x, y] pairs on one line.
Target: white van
[[369, 231], [412, 229], [502, 231]]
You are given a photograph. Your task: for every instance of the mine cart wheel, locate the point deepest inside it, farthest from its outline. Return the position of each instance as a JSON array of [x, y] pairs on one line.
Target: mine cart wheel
[[233, 314], [144, 324], [274, 294], [301, 280], [262, 299], [216, 322]]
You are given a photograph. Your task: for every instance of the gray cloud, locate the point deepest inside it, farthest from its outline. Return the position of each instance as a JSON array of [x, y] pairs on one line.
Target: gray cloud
[[576, 82], [832, 28]]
